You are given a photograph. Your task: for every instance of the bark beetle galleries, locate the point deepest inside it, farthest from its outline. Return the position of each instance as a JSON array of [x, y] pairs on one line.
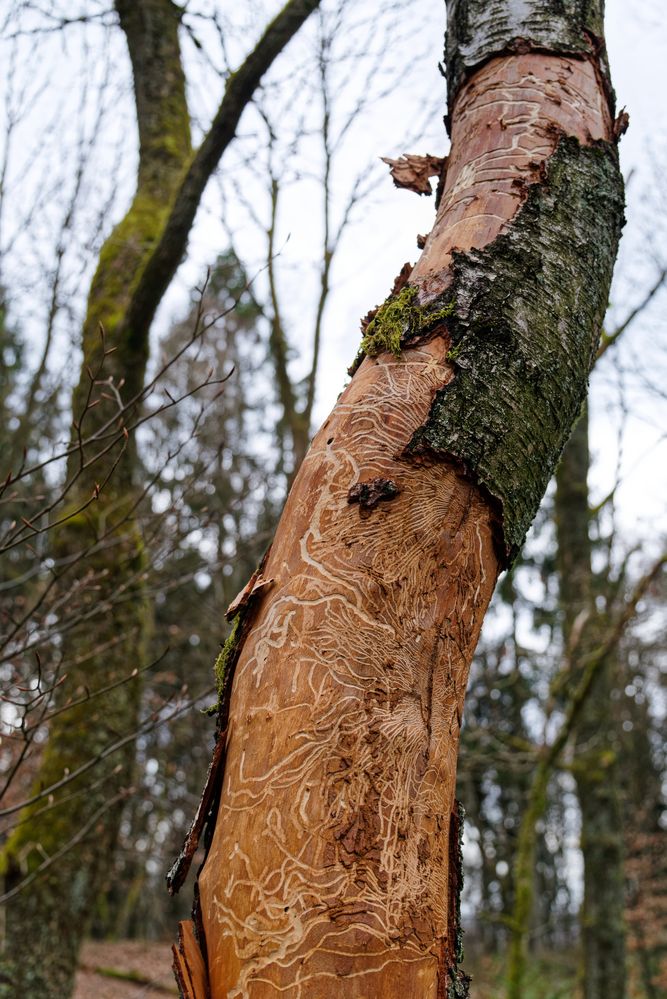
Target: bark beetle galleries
[[507, 122], [330, 863], [333, 824]]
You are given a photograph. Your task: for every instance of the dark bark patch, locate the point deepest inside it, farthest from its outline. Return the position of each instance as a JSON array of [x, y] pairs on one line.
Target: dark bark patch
[[455, 885], [453, 983], [369, 494], [401, 278], [524, 332], [181, 866], [621, 124]]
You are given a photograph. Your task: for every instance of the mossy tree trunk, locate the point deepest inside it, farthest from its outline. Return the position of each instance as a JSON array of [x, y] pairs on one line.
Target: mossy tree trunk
[[333, 858], [47, 918], [596, 742], [57, 857]]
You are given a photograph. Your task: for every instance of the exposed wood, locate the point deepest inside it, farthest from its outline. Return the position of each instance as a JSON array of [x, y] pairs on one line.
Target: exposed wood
[[346, 710], [330, 864], [507, 123], [188, 964]]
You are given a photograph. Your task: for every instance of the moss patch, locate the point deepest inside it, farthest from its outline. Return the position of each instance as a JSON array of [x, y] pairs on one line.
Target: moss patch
[[399, 321], [225, 660]]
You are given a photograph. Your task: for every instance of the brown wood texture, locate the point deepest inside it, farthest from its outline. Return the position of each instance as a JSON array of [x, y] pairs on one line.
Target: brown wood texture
[[506, 123], [330, 854], [329, 863], [188, 964]]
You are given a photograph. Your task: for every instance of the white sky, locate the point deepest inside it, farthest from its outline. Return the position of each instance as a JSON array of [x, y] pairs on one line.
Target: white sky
[[383, 237]]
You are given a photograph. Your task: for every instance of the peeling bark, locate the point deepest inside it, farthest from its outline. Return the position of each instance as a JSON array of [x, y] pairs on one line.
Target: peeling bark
[[413, 172], [331, 862], [189, 967]]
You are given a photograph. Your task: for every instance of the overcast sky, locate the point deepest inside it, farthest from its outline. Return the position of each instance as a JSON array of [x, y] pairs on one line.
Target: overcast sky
[[384, 234]]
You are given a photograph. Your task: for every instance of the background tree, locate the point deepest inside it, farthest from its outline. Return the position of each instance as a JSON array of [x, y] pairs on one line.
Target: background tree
[[135, 267], [590, 602], [164, 698]]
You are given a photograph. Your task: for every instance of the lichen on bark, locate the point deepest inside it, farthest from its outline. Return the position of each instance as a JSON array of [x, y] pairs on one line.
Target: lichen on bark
[[529, 308]]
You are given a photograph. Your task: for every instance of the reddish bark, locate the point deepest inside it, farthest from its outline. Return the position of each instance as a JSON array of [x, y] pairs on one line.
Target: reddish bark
[[507, 121], [330, 860]]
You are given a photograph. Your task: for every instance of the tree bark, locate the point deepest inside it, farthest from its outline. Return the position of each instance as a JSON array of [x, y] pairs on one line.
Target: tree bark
[[595, 765], [333, 859]]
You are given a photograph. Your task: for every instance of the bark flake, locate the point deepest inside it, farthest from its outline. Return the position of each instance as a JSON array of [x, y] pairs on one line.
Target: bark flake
[[412, 172]]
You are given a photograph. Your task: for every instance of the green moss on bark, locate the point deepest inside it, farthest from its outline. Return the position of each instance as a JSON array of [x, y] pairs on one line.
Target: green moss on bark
[[225, 661], [524, 333], [400, 321]]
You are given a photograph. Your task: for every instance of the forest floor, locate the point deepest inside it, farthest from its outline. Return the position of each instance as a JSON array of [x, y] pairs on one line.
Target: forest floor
[[125, 969]]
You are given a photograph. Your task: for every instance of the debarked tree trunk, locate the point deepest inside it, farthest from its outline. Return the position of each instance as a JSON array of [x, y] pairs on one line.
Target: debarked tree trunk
[[333, 855]]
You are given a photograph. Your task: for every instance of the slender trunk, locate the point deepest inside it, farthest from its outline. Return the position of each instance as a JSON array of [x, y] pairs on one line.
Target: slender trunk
[[582, 643], [333, 859], [524, 877], [62, 854], [596, 770], [48, 917]]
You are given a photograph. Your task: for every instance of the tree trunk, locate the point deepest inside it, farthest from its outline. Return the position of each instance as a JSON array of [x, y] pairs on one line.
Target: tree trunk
[[48, 917], [333, 859], [595, 768], [57, 857]]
